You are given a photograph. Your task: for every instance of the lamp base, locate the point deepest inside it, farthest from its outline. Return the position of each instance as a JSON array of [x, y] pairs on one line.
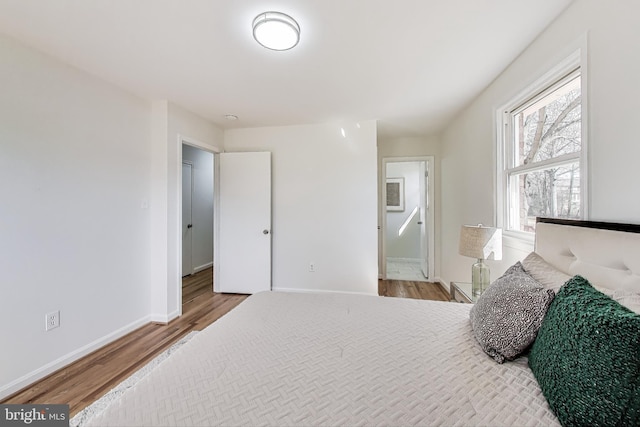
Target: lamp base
[[479, 278]]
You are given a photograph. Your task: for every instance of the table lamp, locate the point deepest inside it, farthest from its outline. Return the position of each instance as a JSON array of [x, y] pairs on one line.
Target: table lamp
[[480, 242]]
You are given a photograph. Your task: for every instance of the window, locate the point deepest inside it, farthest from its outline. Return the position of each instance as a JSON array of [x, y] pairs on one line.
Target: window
[[541, 168]]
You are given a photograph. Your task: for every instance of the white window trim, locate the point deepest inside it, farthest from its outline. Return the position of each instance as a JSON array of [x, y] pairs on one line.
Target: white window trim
[[577, 59]]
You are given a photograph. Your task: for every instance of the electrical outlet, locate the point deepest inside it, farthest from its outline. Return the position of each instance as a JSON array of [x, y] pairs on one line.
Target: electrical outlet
[[52, 320], [312, 267]]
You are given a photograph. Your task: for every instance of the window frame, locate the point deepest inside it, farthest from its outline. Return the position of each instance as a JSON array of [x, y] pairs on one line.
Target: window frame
[[545, 84]]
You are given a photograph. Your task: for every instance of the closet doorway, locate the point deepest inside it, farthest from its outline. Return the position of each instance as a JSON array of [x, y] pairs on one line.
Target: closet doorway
[[197, 209], [407, 219]]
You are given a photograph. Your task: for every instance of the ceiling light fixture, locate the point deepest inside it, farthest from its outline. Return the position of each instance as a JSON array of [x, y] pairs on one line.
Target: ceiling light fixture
[[231, 117], [276, 31]]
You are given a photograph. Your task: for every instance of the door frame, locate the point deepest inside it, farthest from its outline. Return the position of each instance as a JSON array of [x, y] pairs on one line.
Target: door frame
[[430, 161], [190, 164], [176, 282]]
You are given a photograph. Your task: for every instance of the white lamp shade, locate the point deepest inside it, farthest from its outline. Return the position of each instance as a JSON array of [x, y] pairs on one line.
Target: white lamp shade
[[481, 242], [276, 31]]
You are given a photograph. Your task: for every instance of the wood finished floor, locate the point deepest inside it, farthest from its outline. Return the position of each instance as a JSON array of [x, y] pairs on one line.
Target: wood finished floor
[[86, 380], [410, 289]]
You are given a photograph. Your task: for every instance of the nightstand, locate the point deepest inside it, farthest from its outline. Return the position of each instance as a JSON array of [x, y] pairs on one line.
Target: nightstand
[[461, 292]]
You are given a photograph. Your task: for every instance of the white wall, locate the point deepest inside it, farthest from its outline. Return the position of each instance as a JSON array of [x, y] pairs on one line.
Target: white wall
[[324, 200], [408, 146], [92, 228], [406, 245], [468, 144], [201, 206], [74, 179], [171, 126]]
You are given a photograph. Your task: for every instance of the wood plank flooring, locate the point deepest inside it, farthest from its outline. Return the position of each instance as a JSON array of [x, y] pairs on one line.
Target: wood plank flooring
[[86, 380], [415, 290]]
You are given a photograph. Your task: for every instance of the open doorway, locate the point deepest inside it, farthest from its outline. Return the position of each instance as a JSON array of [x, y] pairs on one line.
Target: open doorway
[[407, 219], [197, 225]]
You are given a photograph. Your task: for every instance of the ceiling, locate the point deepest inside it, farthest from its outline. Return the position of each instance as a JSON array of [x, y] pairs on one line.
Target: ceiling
[[410, 64]]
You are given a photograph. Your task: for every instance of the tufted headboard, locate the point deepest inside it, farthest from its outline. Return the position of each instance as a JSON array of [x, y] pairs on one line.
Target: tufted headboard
[[606, 254]]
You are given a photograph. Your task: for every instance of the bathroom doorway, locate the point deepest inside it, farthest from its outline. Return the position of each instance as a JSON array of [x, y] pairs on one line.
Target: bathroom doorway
[[407, 219]]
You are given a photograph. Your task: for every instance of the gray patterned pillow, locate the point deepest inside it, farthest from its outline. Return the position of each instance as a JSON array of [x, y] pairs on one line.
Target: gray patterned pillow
[[507, 316]]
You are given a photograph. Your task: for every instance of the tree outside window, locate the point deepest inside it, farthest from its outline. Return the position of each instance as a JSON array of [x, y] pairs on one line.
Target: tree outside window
[[543, 147]]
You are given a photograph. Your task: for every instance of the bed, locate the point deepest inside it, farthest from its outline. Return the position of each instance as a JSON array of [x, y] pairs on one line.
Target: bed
[[294, 359]]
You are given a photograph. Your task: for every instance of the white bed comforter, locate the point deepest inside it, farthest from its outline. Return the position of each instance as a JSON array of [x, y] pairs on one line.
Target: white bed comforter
[[331, 359]]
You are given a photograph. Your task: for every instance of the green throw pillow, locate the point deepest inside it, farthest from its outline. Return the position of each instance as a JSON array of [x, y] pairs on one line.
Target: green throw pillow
[[586, 358]]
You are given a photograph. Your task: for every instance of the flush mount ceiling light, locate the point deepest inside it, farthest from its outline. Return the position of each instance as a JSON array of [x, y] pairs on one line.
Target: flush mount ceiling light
[[276, 31]]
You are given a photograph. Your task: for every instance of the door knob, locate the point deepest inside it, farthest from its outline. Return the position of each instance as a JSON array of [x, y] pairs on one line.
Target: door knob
[[189, 225], [419, 222], [265, 231]]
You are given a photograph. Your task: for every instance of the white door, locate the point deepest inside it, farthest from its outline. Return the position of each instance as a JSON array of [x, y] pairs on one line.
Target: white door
[[187, 220], [422, 221], [244, 249]]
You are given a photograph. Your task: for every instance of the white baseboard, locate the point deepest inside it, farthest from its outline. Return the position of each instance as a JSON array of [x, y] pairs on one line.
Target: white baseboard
[[202, 267], [49, 368], [164, 318], [443, 284]]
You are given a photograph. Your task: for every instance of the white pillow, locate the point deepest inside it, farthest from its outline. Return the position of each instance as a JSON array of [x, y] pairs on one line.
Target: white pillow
[[552, 278], [546, 274], [628, 299]]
